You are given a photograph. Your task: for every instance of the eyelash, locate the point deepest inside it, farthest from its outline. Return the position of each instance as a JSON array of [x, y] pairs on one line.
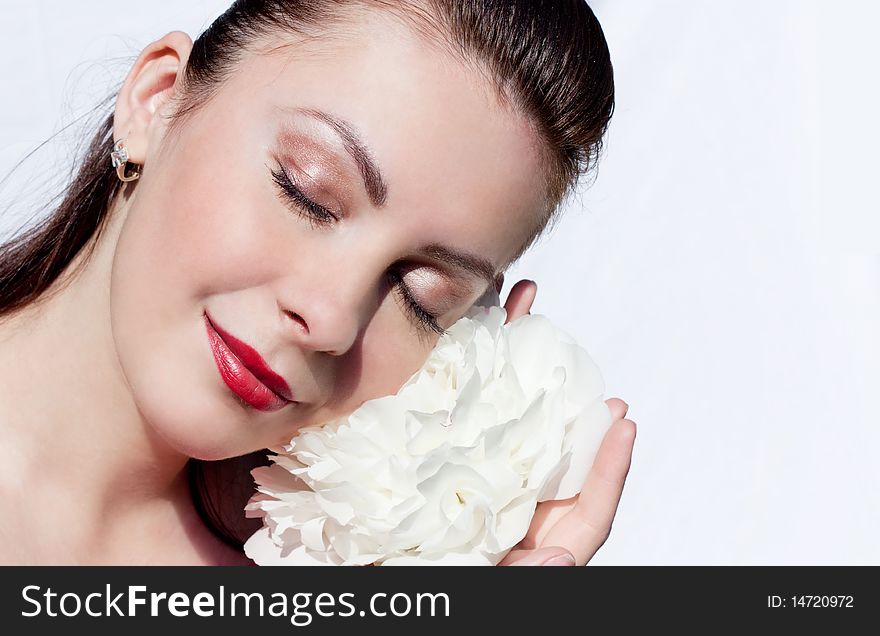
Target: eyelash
[[319, 216], [316, 214], [425, 319]]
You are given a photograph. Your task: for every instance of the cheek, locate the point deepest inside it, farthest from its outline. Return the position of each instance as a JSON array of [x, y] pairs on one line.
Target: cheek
[[177, 247], [214, 237], [187, 237], [392, 351]]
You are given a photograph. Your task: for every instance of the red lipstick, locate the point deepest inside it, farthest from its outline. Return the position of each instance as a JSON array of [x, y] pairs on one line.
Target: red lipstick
[[245, 372]]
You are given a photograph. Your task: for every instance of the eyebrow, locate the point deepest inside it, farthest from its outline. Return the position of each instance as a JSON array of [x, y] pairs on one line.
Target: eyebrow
[[377, 191], [359, 152], [474, 264]]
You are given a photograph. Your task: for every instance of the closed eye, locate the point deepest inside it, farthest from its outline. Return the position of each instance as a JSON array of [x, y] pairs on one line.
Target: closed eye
[[315, 213], [320, 216], [423, 317]]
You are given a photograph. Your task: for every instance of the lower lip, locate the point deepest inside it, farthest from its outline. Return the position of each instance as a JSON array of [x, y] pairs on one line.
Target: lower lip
[[237, 377]]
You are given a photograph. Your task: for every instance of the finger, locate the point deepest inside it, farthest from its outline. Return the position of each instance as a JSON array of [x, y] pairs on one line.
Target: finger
[[544, 556], [548, 513], [585, 528], [617, 407], [520, 298]]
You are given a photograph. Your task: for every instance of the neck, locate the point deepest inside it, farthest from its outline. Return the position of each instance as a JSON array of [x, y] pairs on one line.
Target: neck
[[71, 434]]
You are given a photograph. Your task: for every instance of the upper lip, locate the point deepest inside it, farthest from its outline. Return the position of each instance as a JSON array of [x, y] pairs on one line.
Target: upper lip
[[254, 362]]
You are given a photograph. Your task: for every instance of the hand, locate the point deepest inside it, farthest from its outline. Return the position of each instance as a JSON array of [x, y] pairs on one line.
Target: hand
[[571, 531]]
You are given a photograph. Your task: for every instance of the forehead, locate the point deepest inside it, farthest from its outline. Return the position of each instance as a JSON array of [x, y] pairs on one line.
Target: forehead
[[450, 152]]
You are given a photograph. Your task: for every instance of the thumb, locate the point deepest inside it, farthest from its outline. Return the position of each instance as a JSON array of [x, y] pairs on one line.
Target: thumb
[[542, 556]]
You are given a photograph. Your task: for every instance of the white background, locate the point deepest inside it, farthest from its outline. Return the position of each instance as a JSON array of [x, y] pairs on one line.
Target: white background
[[723, 269]]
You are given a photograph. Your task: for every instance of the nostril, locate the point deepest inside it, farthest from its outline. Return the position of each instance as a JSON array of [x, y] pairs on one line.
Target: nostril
[[299, 320]]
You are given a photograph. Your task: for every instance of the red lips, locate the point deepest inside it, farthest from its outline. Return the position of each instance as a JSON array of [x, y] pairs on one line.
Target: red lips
[[245, 372]]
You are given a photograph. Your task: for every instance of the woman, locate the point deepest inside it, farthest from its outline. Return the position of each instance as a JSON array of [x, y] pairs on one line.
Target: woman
[[328, 184]]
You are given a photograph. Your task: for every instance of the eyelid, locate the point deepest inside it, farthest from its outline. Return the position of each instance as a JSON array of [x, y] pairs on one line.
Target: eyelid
[[451, 285], [308, 155], [355, 150], [446, 290], [295, 196], [425, 319]]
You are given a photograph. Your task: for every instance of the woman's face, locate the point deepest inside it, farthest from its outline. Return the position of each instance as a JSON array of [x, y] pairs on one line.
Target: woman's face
[[336, 305]]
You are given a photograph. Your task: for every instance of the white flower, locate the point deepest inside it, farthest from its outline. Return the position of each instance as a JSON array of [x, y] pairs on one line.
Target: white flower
[[447, 471]]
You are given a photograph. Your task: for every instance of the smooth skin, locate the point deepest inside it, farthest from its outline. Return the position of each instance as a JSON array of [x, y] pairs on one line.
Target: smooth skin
[[109, 387]]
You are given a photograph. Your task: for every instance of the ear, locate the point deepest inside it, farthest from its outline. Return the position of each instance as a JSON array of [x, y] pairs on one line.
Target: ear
[[151, 81]]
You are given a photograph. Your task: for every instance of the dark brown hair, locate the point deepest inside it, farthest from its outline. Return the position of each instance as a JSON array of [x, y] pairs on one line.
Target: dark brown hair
[[548, 59]]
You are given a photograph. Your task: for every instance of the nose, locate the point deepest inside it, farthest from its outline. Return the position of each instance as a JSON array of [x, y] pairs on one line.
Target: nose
[[326, 319]]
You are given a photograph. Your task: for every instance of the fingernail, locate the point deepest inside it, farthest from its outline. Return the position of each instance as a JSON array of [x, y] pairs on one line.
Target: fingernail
[[560, 559]]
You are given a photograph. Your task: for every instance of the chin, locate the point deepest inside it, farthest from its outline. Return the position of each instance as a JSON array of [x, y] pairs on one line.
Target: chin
[[201, 429], [186, 412], [175, 385]]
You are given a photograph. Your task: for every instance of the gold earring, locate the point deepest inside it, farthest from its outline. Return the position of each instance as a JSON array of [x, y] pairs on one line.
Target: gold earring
[[119, 159]]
